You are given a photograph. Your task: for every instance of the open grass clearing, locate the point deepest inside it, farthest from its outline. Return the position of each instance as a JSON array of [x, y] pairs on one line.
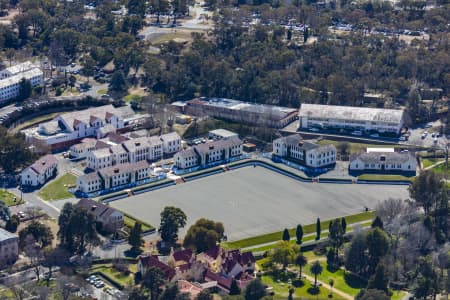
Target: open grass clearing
[[307, 229], [8, 198], [58, 188], [443, 170], [426, 162], [302, 291], [130, 221], [357, 147], [111, 273], [102, 91]]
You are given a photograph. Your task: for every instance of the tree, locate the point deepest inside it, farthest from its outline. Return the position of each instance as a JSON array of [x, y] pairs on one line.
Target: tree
[[135, 238], [234, 288], [318, 229], [299, 234], [206, 295], [72, 81], [336, 237], [377, 223], [331, 283], [379, 280], [204, 235], [14, 151], [25, 89], [286, 236], [300, 261], [41, 234], [88, 64], [344, 225], [54, 257], [12, 223], [77, 229], [255, 290], [118, 82], [378, 246], [372, 295], [356, 257], [284, 253], [138, 294], [172, 292], [152, 280], [316, 269], [426, 190], [172, 219]]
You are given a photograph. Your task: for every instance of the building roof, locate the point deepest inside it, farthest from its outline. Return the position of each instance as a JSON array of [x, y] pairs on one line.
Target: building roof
[[351, 113], [22, 67], [89, 177], [189, 152], [293, 139], [172, 136], [223, 133], [118, 149], [389, 157], [43, 163], [218, 145], [123, 168], [16, 78], [103, 152], [271, 111], [183, 255], [133, 144], [153, 261], [6, 235], [98, 209]]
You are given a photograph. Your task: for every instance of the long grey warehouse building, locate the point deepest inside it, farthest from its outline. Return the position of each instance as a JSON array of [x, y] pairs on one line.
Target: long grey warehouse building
[[362, 119]]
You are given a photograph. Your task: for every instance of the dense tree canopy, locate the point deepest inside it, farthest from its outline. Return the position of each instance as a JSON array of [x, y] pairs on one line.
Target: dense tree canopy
[[172, 219], [204, 235]]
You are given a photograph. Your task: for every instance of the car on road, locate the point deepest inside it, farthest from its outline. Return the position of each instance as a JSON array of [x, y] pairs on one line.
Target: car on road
[[428, 125]]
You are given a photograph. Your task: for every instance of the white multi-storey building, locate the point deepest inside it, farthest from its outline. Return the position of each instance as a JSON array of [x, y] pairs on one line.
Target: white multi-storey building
[[208, 153], [40, 171], [362, 119], [294, 148], [171, 142], [383, 162], [69, 128], [10, 79]]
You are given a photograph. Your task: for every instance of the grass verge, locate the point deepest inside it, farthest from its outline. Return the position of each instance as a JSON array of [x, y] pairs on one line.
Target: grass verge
[[310, 228], [357, 147], [8, 198], [426, 162], [118, 278], [129, 221], [102, 91], [384, 177], [34, 121], [58, 189]]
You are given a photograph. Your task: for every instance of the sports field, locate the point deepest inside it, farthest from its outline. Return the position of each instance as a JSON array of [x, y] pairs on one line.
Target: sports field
[[253, 201]]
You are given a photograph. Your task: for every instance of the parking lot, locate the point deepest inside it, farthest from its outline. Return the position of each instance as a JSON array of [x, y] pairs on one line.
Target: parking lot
[[252, 201]]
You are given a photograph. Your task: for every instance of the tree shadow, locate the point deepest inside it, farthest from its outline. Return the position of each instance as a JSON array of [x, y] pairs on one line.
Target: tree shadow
[[354, 281], [314, 290], [332, 268], [133, 254], [298, 283]]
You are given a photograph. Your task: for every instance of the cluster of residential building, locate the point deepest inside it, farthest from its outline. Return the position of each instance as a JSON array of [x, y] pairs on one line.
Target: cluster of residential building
[[359, 120], [239, 111], [210, 152], [10, 79], [70, 128], [312, 155], [215, 268]]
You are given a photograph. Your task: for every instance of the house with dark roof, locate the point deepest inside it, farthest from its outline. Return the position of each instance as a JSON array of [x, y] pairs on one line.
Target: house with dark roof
[[383, 162], [294, 148], [40, 171], [110, 219]]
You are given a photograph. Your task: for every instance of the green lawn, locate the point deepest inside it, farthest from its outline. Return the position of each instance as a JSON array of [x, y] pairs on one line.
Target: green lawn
[[343, 281], [357, 147], [58, 189], [426, 162], [118, 277], [276, 236], [383, 177], [129, 98], [442, 169], [8, 198], [305, 291], [102, 91], [130, 221]]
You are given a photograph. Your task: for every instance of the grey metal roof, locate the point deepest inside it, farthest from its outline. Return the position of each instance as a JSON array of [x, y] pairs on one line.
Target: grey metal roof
[[293, 139], [216, 145], [123, 168], [390, 157], [351, 113], [42, 164], [223, 133], [172, 136], [6, 235]]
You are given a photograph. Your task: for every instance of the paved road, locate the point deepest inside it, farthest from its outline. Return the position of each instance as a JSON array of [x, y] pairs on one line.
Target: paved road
[[252, 201]]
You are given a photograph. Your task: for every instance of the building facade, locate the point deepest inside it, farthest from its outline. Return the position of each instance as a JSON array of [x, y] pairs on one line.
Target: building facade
[[203, 154], [171, 143], [10, 79], [9, 248], [114, 176], [294, 148], [383, 162], [347, 118], [40, 171]]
